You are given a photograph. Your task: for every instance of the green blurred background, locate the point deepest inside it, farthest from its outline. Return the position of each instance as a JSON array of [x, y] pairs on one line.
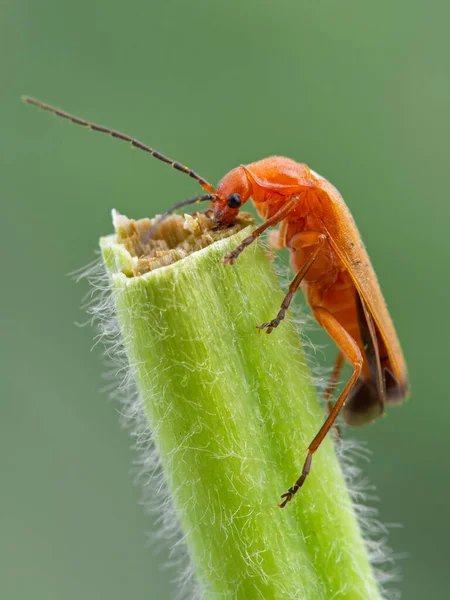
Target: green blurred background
[[359, 91]]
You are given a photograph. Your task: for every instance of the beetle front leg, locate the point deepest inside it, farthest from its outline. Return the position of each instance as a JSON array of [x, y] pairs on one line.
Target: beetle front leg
[[230, 259], [274, 220]]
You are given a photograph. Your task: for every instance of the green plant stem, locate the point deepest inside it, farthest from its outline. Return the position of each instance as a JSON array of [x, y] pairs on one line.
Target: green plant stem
[[233, 411]]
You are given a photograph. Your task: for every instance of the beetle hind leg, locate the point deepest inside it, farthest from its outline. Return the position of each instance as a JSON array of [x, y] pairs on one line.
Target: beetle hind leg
[[350, 349], [298, 484], [330, 389]]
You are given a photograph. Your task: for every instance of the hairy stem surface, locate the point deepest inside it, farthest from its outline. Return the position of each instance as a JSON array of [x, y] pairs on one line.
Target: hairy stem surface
[[232, 412]]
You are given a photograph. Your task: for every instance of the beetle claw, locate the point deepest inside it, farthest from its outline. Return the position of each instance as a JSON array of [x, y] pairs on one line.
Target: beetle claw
[[287, 498], [270, 326], [229, 259]]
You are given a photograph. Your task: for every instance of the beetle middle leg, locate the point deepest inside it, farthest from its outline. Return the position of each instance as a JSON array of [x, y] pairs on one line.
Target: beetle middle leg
[[319, 239], [350, 349], [275, 242]]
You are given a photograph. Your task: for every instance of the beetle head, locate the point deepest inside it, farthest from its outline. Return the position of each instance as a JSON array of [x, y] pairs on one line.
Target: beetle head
[[232, 192]]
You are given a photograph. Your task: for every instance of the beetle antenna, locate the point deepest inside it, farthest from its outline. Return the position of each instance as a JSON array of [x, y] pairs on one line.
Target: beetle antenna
[[147, 236], [195, 200], [122, 136]]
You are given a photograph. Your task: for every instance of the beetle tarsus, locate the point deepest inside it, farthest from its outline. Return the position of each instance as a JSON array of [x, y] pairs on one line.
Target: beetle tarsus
[[271, 325], [300, 481], [288, 496], [230, 259]]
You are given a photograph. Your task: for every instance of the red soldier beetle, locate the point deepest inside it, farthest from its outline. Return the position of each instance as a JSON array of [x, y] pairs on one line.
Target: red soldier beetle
[[331, 266]]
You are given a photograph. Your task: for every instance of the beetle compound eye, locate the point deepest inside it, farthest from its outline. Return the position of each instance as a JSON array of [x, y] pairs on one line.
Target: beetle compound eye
[[234, 200]]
